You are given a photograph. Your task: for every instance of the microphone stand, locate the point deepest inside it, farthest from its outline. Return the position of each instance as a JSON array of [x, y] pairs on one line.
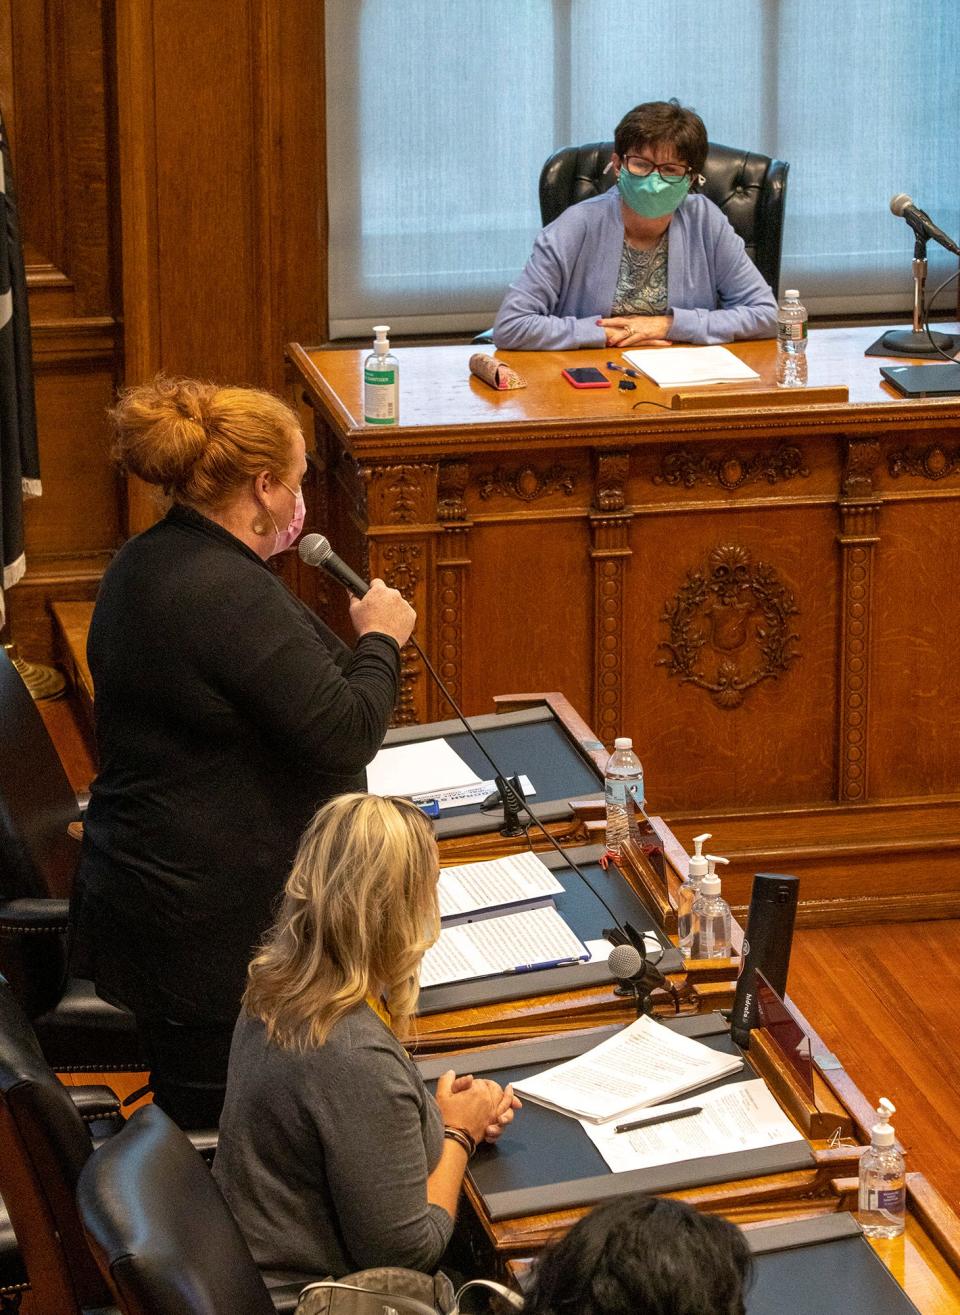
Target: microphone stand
[[917, 341]]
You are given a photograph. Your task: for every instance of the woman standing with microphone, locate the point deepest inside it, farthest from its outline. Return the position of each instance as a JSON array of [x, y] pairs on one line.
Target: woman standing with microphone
[[226, 713]]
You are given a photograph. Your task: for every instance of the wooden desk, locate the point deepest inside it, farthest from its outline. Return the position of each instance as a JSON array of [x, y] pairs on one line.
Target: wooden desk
[[766, 599]]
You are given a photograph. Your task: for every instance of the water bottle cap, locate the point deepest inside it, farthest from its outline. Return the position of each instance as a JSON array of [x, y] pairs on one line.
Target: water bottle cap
[[792, 293], [623, 742]]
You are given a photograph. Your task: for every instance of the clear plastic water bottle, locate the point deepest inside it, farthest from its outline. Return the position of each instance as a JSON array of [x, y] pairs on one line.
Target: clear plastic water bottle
[[791, 341], [711, 917], [381, 381], [882, 1197], [622, 787]]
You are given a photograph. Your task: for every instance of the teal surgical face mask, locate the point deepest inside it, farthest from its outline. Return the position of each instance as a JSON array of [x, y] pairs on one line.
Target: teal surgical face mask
[[653, 196]]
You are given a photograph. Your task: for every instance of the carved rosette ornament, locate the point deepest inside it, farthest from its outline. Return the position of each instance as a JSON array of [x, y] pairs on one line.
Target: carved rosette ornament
[[526, 483], [687, 467], [729, 627], [933, 462]]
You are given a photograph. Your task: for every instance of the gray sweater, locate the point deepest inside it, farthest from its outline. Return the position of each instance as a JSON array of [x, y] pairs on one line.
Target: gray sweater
[[323, 1157]]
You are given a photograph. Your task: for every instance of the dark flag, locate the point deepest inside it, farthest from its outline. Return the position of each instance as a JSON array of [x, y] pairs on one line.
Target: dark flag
[[19, 461]]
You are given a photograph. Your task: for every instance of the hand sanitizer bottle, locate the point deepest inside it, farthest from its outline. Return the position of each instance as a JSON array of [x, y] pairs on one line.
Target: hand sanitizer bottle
[[381, 382], [688, 892], [711, 916], [883, 1186]]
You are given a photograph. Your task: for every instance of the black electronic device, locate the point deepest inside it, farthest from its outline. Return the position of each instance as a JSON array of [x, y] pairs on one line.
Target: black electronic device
[[923, 380], [766, 947], [586, 376]]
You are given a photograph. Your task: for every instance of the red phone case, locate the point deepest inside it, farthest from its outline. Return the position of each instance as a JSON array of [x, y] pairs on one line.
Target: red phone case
[[590, 383]]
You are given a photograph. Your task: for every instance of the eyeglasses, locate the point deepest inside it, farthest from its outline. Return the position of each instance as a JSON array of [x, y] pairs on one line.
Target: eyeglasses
[[643, 168]]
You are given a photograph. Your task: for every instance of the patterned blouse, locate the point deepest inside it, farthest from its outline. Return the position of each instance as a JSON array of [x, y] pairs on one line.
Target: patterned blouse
[[642, 280]]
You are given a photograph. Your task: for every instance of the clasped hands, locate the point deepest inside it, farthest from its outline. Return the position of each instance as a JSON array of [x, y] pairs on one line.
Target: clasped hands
[[637, 330], [480, 1105]]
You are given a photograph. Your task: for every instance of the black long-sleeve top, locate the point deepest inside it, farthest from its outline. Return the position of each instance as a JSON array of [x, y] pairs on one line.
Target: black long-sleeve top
[[226, 713]]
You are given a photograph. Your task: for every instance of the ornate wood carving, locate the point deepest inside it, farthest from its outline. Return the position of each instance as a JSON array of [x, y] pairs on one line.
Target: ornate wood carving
[[451, 488], [613, 468], [610, 553], [861, 460], [527, 483], [687, 467], [858, 538], [402, 566], [933, 462], [452, 573], [730, 626]]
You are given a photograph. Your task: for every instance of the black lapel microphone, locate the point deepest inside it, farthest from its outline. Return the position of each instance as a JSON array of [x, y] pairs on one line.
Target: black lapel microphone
[[315, 550]]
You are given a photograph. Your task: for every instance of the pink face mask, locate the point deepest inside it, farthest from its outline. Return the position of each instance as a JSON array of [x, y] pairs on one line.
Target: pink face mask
[[288, 537]]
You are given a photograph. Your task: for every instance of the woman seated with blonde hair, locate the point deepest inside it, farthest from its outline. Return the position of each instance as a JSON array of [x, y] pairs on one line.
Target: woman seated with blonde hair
[[332, 1154]]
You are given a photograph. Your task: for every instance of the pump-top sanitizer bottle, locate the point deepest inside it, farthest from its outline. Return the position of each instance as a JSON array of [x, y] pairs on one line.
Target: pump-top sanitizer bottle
[[688, 892], [381, 381], [883, 1196], [711, 916]]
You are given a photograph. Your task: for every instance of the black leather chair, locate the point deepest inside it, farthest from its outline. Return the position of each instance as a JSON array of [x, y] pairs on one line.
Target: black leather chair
[[162, 1233], [77, 1030], [47, 1134], [45, 1140], [750, 189]]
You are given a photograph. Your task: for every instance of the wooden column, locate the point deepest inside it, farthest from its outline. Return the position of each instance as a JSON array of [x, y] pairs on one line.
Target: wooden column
[[858, 536], [610, 549]]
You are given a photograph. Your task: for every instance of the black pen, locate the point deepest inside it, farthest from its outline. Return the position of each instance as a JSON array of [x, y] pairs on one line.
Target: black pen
[[654, 1119]]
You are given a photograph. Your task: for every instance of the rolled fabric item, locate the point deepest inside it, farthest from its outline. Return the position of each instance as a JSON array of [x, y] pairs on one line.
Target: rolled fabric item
[[494, 372]]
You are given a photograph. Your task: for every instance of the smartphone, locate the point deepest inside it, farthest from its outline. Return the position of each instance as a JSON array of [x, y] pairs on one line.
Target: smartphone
[[586, 376]]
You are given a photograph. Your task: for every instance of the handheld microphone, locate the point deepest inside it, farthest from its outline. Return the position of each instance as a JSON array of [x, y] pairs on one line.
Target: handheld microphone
[[315, 550], [921, 223]]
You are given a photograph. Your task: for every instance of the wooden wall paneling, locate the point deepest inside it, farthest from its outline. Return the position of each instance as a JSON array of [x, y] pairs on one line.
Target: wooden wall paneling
[[56, 78], [914, 748], [221, 126], [732, 619]]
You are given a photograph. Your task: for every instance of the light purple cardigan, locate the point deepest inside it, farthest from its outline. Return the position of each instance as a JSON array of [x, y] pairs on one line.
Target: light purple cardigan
[[714, 290]]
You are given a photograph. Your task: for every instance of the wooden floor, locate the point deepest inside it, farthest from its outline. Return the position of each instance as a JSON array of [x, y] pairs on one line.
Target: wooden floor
[[884, 998]]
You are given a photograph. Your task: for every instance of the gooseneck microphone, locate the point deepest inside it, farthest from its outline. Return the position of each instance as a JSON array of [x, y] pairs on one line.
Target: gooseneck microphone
[[921, 223], [315, 550]]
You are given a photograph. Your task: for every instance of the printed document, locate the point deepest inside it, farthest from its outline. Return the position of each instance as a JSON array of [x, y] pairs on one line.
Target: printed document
[[742, 1116], [494, 884], [419, 768], [643, 1065], [673, 367], [516, 942]]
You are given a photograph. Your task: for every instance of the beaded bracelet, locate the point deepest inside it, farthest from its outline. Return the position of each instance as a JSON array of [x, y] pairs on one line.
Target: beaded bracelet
[[462, 1138]]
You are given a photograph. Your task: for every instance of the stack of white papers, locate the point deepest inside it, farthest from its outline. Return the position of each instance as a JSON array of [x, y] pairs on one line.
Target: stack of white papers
[[418, 768], [643, 1065], [677, 367], [496, 884], [742, 1116], [514, 943]]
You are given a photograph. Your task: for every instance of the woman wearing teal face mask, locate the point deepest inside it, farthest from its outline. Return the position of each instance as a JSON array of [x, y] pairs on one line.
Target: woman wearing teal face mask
[[649, 262]]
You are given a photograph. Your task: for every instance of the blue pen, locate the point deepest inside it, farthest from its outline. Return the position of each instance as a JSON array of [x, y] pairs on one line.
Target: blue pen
[[548, 963]]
